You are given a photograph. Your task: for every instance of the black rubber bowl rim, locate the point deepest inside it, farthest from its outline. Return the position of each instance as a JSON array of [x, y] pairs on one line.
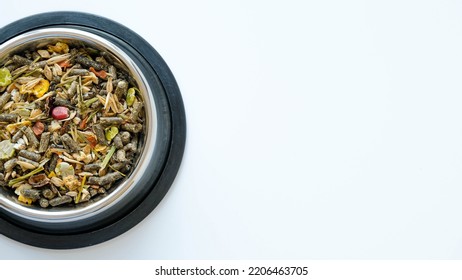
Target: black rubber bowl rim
[[177, 138]]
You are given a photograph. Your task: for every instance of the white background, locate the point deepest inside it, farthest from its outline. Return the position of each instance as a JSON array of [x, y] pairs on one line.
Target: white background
[[316, 129]]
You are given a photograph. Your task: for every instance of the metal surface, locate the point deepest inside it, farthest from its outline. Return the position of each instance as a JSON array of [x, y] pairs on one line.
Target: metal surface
[[45, 36]]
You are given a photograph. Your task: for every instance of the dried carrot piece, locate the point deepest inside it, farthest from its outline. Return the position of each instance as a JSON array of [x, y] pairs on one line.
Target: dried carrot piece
[[101, 74], [65, 64]]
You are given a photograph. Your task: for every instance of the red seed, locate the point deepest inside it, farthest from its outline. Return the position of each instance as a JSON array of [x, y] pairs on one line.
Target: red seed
[[60, 113]]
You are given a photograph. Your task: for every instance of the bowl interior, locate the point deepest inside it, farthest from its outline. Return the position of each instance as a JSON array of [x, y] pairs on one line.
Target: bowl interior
[[74, 37]]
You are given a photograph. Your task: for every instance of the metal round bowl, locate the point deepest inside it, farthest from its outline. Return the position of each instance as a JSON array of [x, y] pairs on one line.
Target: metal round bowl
[[161, 146]]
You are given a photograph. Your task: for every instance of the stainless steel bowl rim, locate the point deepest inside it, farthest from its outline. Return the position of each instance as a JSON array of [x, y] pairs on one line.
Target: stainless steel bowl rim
[[58, 214]]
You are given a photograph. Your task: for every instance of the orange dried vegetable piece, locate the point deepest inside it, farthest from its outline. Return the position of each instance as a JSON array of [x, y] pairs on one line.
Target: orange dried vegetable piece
[[65, 64], [83, 123], [101, 74], [92, 140], [38, 128]]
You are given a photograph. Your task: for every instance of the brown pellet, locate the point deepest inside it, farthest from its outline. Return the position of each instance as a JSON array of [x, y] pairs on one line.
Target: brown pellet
[[52, 163], [106, 179], [44, 142], [121, 89], [87, 62], [106, 121], [78, 72], [61, 102], [130, 148], [30, 193], [18, 135], [10, 164], [88, 95], [60, 200], [29, 155], [91, 167], [72, 88], [125, 136], [30, 136], [112, 71], [21, 60], [8, 118], [135, 140], [70, 143], [4, 99], [92, 191], [124, 168], [132, 127], [120, 156], [23, 159], [43, 202], [118, 142], [40, 64], [118, 166], [54, 189], [99, 131], [48, 194], [137, 106]]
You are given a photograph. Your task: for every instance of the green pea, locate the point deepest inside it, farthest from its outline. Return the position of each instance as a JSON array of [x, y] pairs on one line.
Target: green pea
[[5, 77], [111, 133], [130, 96]]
